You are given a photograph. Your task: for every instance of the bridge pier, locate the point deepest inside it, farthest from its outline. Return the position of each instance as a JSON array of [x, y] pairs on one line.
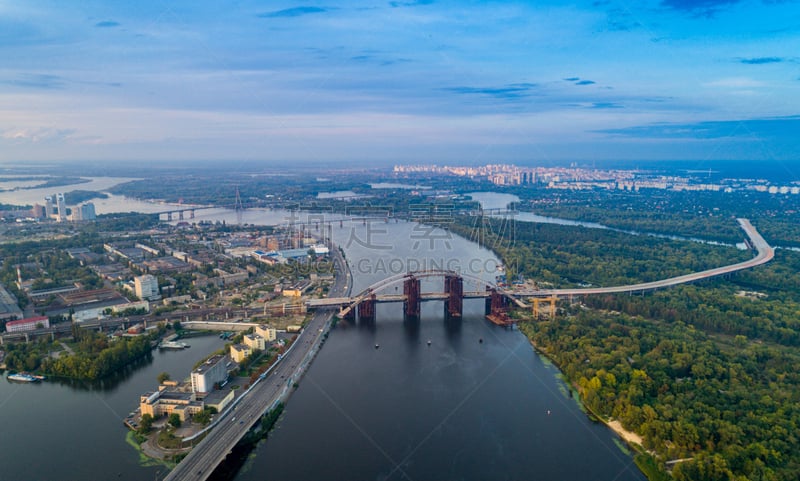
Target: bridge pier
[[180, 215], [454, 288], [169, 216], [366, 309], [411, 290], [497, 309], [496, 303]]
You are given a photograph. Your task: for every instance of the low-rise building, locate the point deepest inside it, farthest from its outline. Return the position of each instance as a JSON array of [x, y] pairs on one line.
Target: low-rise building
[[9, 308], [166, 401], [177, 300], [240, 352], [165, 264], [29, 324], [254, 341], [219, 400], [229, 279], [268, 333]]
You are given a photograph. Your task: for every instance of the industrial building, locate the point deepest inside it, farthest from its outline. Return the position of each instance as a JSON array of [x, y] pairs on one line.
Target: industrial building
[[29, 324], [9, 308]]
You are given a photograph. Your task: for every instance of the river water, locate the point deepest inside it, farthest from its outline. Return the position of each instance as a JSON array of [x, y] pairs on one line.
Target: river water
[[69, 430], [26, 195], [493, 200], [477, 403]]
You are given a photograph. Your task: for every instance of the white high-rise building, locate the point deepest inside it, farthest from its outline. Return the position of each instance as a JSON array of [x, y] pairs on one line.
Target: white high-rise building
[[48, 207], [146, 287], [84, 212], [62, 208]]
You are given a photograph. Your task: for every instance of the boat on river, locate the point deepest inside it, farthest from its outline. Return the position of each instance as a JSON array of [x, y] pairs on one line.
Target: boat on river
[[24, 377], [173, 345]]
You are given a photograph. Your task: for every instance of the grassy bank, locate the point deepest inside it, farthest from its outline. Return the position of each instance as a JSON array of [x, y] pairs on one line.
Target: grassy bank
[[646, 462]]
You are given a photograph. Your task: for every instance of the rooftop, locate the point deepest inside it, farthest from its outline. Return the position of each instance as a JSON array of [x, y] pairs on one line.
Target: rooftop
[[210, 363], [26, 321]]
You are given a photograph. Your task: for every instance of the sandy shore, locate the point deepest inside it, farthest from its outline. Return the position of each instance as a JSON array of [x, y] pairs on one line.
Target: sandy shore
[[628, 436]]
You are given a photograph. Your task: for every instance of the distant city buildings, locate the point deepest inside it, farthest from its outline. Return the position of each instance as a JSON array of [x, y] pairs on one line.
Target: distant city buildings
[[574, 178], [84, 211], [48, 207], [58, 211], [62, 208]]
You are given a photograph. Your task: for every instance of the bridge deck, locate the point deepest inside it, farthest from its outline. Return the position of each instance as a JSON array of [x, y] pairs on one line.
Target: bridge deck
[[765, 253], [425, 296]]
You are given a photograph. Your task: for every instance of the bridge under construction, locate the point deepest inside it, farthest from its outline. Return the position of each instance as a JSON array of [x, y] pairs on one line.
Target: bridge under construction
[[498, 298]]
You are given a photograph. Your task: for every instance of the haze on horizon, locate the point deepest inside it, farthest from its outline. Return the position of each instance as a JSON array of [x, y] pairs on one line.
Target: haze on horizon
[[400, 81]]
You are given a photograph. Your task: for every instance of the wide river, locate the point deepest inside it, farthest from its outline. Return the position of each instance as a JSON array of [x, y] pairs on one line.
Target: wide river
[[476, 403], [436, 400], [73, 431]]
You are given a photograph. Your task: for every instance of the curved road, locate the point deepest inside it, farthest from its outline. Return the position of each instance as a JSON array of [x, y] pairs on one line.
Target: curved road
[[233, 424], [764, 255]]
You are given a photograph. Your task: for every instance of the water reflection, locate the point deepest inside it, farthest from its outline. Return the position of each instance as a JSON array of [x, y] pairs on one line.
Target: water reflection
[[108, 383]]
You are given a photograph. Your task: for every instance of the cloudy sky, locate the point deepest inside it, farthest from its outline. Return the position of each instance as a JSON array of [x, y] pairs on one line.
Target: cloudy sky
[[400, 81]]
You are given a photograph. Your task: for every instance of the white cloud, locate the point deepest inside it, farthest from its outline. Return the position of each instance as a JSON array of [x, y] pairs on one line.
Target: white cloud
[[735, 83], [36, 135]]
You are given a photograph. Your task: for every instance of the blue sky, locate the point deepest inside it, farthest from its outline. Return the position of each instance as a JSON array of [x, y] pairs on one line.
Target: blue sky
[[459, 82]]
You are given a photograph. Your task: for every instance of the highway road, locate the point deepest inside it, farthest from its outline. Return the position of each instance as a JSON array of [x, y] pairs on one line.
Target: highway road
[[232, 426], [765, 253]]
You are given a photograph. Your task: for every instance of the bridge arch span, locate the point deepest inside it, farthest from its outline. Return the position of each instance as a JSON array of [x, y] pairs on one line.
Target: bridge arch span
[[453, 284], [398, 279]]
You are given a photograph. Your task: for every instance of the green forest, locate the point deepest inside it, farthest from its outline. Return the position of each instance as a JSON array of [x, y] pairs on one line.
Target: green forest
[[707, 215], [566, 256], [707, 372], [95, 355]]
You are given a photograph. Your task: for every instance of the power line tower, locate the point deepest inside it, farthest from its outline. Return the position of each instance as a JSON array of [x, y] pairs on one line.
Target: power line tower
[[238, 206]]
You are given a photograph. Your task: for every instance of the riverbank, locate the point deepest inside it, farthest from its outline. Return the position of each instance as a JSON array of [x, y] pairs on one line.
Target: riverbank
[[644, 459]]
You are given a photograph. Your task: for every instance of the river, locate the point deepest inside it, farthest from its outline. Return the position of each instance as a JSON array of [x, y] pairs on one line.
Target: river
[[70, 430], [458, 408], [493, 200], [26, 195], [477, 403]]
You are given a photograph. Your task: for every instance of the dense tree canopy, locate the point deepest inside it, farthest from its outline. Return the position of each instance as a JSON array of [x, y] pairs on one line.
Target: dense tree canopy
[[706, 372]]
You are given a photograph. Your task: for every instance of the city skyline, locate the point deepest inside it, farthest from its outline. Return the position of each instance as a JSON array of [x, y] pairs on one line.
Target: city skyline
[[417, 81]]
